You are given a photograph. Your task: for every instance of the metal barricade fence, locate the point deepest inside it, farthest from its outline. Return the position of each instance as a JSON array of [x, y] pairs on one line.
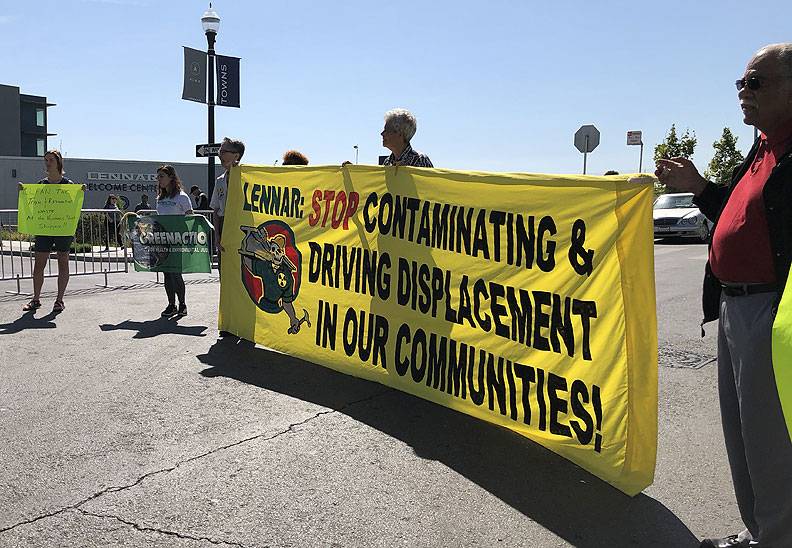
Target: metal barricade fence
[[98, 246], [96, 249]]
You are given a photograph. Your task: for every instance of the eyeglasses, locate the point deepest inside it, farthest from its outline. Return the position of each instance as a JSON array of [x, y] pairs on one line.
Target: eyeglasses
[[161, 175], [751, 83]]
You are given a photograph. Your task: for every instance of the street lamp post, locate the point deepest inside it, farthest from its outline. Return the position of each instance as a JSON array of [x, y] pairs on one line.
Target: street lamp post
[[356, 154], [211, 24]]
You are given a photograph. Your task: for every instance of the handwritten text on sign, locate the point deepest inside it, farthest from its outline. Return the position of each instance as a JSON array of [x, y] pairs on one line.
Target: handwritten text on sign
[[49, 209]]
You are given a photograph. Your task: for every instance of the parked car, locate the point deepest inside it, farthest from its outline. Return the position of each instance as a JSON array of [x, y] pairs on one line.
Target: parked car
[[675, 216]]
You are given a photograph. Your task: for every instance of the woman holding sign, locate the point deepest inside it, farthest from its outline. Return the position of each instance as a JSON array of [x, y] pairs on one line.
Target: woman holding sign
[[172, 200], [45, 244]]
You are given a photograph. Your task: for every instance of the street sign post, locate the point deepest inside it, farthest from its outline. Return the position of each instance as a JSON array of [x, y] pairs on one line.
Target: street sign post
[[587, 138], [635, 138], [204, 151]]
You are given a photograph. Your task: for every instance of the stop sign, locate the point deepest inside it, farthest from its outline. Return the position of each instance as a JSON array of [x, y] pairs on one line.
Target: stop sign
[[581, 142]]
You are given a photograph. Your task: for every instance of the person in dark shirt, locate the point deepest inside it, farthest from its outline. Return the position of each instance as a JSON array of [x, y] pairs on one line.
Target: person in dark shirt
[[113, 217], [400, 127], [45, 244], [144, 203], [748, 267], [201, 201]]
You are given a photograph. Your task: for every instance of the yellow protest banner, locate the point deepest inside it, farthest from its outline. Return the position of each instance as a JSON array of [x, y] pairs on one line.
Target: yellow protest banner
[[524, 300], [782, 353], [49, 209]]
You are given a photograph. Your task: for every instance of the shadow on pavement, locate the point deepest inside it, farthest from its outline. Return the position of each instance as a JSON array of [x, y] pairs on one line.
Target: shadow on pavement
[[28, 320], [563, 498], [153, 328]]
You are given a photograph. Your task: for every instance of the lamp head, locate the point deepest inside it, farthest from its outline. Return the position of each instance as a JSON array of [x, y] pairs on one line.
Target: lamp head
[[210, 21]]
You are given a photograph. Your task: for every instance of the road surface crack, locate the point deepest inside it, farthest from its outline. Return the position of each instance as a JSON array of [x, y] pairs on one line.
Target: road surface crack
[[144, 529], [119, 488]]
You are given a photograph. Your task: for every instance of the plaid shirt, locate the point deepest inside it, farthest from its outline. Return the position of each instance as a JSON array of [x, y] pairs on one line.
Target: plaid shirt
[[409, 157]]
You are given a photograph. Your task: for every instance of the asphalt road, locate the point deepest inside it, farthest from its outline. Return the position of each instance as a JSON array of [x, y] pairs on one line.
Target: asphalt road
[[123, 429]]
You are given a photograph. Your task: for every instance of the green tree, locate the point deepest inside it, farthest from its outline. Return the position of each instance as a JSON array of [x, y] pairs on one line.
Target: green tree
[[726, 158], [673, 147]]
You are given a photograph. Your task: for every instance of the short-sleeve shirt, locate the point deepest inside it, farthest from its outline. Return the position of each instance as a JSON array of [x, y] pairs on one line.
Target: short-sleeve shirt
[[218, 200], [177, 205], [741, 251]]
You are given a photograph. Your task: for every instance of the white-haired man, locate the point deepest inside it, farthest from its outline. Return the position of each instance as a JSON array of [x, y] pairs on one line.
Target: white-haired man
[[231, 152], [400, 126], [748, 267]]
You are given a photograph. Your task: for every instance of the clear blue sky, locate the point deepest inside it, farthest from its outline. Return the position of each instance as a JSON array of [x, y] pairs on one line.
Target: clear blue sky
[[496, 85]]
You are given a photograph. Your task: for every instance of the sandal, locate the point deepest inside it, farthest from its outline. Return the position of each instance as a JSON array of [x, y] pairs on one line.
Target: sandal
[[32, 305], [58, 306]]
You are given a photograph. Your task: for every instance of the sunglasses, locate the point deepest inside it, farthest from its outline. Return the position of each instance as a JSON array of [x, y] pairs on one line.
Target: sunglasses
[[751, 83]]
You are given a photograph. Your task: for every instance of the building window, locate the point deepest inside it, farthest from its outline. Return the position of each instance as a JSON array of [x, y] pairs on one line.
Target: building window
[[40, 117], [41, 147]]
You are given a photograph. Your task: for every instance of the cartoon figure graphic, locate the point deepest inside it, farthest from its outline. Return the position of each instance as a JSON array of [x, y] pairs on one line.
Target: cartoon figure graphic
[[144, 253], [271, 270]]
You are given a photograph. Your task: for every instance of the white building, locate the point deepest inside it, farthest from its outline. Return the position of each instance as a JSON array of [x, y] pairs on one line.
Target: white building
[[127, 179]]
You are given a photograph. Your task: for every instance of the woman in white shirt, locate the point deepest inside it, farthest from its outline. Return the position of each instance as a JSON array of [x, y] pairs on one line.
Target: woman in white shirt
[[172, 200]]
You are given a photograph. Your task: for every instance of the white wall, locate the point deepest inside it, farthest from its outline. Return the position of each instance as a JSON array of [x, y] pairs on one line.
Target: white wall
[[127, 179]]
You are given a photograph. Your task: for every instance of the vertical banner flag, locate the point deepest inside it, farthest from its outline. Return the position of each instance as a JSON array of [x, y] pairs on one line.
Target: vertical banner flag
[[49, 210], [782, 353], [227, 81], [524, 300], [194, 75], [170, 243]]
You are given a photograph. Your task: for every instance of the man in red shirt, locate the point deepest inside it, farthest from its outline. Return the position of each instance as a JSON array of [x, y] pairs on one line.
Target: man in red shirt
[[748, 267]]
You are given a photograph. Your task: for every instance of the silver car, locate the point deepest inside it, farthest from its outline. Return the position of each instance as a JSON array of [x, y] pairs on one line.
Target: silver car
[[675, 216]]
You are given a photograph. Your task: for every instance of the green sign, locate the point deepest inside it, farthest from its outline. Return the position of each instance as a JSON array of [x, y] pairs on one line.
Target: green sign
[[49, 209], [782, 353], [170, 243]]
